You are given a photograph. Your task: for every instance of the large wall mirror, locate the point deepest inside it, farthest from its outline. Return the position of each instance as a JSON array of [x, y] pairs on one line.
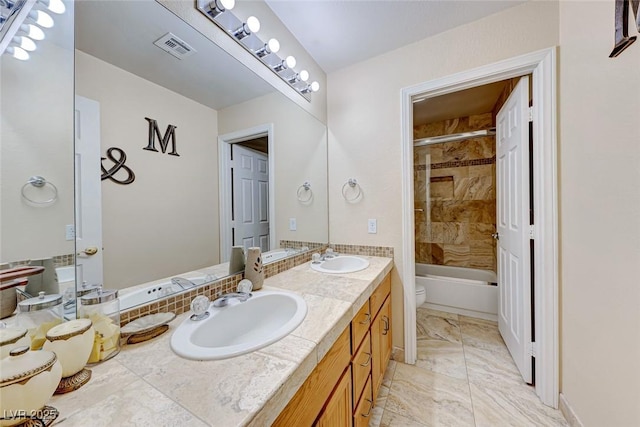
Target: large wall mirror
[[231, 153]]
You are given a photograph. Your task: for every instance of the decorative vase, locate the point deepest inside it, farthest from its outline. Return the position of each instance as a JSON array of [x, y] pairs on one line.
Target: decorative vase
[[253, 268]]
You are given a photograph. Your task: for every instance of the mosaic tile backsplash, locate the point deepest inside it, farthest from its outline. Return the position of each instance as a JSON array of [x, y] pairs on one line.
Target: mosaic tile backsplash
[[455, 195]]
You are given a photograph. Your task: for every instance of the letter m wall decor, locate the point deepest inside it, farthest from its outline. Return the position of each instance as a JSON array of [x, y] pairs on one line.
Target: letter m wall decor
[[623, 40], [169, 137]]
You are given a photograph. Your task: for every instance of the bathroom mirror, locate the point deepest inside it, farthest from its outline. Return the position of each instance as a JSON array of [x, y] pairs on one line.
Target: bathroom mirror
[[36, 155], [201, 104]]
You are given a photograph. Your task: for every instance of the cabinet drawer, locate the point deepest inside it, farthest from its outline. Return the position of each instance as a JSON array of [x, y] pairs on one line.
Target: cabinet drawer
[[359, 326], [362, 413], [361, 367], [379, 295]]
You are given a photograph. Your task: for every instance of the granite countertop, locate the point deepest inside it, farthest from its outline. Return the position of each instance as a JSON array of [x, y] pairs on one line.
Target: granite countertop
[[148, 384]]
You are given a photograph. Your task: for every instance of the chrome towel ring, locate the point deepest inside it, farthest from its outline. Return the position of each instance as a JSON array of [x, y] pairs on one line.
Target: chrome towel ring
[[351, 186], [39, 182], [304, 189]]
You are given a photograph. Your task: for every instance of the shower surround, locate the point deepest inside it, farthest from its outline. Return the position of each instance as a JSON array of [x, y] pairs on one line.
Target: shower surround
[[455, 195]]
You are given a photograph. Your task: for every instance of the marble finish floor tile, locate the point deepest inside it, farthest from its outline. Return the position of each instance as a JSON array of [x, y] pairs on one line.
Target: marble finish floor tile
[[464, 376], [443, 357], [430, 326], [429, 398]]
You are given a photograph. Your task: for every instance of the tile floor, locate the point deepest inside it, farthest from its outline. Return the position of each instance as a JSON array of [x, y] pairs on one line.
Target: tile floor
[[464, 376]]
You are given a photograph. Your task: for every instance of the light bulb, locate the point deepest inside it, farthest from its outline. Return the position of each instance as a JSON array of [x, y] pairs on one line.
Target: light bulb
[[303, 75], [25, 43], [290, 61], [41, 18], [272, 46], [253, 24], [315, 86], [32, 31], [216, 7], [55, 6], [18, 53]]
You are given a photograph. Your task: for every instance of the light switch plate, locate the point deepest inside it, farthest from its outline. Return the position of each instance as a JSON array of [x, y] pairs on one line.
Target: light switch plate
[[293, 226], [372, 226], [70, 232]]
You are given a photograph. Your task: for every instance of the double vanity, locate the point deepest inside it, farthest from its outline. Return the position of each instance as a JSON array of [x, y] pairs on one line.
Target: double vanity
[[326, 371]]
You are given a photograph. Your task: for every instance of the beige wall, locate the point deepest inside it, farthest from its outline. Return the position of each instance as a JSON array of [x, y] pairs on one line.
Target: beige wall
[[600, 217], [300, 145], [365, 123], [166, 221], [36, 135]]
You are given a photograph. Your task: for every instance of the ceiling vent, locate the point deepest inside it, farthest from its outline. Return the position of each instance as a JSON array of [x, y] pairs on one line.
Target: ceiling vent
[[175, 46]]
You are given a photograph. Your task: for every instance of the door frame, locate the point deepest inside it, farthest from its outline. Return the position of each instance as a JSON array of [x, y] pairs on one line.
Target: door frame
[[224, 172], [542, 65]]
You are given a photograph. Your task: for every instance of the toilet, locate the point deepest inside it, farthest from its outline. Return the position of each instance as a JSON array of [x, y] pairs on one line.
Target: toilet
[[421, 295]]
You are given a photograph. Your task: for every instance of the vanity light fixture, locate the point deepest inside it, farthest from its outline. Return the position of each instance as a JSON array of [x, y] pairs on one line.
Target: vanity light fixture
[[272, 46], [217, 7], [41, 18], [55, 6], [25, 43], [288, 62], [251, 26], [219, 12], [17, 53]]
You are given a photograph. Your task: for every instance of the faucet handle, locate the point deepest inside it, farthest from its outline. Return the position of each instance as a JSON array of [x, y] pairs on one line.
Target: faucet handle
[[315, 258], [244, 286], [199, 307]]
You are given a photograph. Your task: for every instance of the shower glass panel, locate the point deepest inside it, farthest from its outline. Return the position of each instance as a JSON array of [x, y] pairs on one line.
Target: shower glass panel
[[455, 195]]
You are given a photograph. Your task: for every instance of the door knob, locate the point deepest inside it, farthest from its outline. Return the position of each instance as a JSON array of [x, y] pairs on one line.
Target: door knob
[[92, 250], [496, 236]]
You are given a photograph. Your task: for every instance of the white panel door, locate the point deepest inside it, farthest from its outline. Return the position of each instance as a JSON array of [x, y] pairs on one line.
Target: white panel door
[[514, 263], [250, 198], [88, 192]]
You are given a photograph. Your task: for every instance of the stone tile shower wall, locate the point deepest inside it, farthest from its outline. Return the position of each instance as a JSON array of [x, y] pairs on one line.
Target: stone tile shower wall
[[455, 195]]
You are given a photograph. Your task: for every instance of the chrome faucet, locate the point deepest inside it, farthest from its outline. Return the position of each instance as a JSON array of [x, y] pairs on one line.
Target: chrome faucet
[[223, 301], [183, 283]]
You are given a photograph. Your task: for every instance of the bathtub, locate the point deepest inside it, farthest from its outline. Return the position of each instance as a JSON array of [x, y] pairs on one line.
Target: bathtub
[[461, 290], [155, 291]]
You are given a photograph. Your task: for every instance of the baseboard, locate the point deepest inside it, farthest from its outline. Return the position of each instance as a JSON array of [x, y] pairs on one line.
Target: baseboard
[[462, 311], [568, 412]]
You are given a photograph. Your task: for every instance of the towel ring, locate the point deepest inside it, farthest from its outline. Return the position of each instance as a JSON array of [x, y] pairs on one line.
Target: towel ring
[[306, 187], [39, 182], [352, 183]]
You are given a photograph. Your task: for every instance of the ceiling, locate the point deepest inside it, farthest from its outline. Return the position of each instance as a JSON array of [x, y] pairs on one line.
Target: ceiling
[[339, 33], [122, 33], [464, 103]]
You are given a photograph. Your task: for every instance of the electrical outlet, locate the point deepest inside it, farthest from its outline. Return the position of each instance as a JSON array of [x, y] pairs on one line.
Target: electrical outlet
[[293, 226], [70, 232], [372, 226]]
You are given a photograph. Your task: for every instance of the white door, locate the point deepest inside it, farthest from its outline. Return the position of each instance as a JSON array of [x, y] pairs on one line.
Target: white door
[[250, 198], [88, 192], [514, 256]]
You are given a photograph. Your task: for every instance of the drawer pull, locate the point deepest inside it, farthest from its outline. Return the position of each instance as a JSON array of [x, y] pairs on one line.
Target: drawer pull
[[370, 408], [366, 320], [365, 364], [385, 319]]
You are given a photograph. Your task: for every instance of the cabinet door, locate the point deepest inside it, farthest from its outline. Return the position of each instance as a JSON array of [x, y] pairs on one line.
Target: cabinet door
[[338, 411], [380, 345]]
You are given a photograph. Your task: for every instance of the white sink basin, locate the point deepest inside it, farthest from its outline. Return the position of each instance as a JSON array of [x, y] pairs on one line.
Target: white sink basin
[[240, 327], [341, 264]]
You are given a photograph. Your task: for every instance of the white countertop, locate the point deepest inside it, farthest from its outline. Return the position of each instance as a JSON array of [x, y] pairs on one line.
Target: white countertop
[[148, 384]]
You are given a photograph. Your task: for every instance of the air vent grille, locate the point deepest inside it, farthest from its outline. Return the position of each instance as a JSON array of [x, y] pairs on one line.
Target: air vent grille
[[175, 46]]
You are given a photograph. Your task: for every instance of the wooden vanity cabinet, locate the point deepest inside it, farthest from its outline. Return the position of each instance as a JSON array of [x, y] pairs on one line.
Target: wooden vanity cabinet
[[341, 390]]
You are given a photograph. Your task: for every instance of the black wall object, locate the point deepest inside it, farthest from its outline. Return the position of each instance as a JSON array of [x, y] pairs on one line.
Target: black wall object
[[118, 164], [622, 39], [169, 136]]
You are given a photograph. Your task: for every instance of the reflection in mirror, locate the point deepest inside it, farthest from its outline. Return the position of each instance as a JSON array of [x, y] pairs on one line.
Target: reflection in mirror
[[36, 164], [172, 124]]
